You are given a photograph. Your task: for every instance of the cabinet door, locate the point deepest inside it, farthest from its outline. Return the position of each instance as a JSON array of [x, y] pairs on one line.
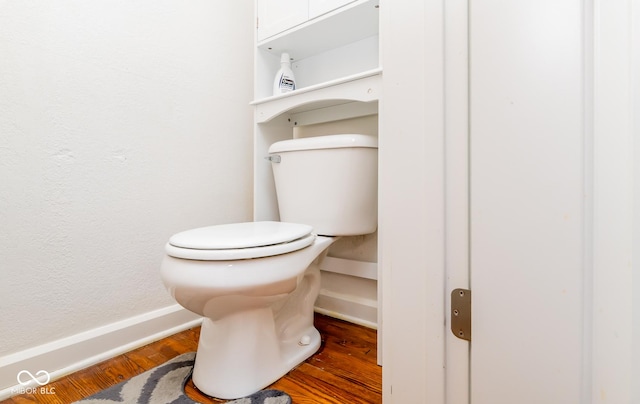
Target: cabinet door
[[319, 7], [275, 16]]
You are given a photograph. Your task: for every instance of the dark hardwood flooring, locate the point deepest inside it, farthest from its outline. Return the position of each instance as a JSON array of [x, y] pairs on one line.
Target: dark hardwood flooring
[[343, 371]]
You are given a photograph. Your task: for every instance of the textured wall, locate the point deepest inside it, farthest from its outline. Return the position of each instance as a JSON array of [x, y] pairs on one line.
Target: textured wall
[[121, 122]]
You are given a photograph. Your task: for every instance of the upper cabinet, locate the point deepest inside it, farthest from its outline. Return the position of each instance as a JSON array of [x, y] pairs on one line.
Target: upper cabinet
[[319, 7], [275, 16], [327, 40]]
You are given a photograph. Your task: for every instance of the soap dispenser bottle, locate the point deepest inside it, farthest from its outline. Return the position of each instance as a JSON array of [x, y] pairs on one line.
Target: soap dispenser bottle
[[285, 81]]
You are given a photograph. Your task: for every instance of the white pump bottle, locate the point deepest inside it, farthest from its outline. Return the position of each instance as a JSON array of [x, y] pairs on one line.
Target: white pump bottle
[[284, 81]]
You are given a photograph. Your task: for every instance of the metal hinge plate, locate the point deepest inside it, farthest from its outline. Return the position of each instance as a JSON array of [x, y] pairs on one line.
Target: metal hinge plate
[[461, 313]]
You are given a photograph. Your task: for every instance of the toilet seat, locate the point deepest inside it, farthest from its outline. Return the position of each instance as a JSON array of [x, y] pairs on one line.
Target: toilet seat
[[240, 241]]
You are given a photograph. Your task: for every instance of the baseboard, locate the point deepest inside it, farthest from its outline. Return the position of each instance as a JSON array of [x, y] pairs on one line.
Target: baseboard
[[359, 269], [62, 357], [348, 307]]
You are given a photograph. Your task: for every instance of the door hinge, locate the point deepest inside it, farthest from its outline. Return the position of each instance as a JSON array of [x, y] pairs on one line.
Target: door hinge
[[461, 313]]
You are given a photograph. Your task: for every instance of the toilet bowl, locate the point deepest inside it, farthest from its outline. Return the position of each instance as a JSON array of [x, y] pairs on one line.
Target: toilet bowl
[[255, 283], [257, 301]]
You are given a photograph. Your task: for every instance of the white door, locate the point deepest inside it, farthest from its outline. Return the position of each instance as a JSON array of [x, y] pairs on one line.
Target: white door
[[527, 200], [554, 119]]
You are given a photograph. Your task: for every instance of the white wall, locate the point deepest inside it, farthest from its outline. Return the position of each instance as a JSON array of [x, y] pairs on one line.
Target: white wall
[[121, 123]]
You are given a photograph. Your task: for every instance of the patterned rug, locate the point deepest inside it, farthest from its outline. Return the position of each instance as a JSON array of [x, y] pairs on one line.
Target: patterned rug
[[165, 385]]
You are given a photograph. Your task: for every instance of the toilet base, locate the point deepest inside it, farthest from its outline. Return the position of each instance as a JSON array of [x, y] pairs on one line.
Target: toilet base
[[252, 337], [252, 359]]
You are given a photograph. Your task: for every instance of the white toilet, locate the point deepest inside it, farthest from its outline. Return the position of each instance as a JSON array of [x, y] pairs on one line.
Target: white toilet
[[256, 283]]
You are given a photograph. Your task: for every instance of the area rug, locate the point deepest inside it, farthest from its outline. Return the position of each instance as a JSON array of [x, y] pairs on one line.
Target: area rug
[[165, 385]]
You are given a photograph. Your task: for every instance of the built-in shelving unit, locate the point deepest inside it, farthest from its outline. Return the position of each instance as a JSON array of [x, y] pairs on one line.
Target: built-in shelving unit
[[333, 46], [336, 64]]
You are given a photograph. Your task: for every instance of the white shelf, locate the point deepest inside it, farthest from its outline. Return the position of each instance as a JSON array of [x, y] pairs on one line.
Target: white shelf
[[345, 25], [336, 99]]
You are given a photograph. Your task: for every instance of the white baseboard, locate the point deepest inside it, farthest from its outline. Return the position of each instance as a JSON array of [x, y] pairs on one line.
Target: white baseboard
[[62, 357], [350, 308], [360, 269], [345, 306]]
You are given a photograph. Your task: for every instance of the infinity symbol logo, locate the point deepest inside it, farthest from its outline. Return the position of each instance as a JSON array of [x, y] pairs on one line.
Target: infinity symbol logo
[[33, 378]]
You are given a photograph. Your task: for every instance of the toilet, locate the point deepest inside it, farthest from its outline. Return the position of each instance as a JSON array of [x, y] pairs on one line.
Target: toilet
[[255, 283]]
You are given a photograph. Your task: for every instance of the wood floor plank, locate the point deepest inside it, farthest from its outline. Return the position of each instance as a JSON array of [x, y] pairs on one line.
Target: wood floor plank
[[344, 369], [345, 390], [348, 367], [302, 392]]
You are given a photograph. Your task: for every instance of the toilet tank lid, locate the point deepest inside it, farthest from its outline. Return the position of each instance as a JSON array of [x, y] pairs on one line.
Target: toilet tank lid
[[240, 235], [325, 142]]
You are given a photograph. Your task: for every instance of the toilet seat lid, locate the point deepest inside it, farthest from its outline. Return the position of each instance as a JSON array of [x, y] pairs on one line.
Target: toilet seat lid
[[240, 235], [240, 240]]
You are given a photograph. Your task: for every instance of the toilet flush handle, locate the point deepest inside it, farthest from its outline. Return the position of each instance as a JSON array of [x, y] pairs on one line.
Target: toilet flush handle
[[274, 159]]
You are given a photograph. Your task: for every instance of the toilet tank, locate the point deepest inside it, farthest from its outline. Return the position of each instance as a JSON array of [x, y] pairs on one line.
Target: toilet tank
[[328, 182]]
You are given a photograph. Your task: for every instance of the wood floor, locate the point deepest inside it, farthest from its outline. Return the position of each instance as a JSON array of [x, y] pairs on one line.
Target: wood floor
[[343, 371]]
